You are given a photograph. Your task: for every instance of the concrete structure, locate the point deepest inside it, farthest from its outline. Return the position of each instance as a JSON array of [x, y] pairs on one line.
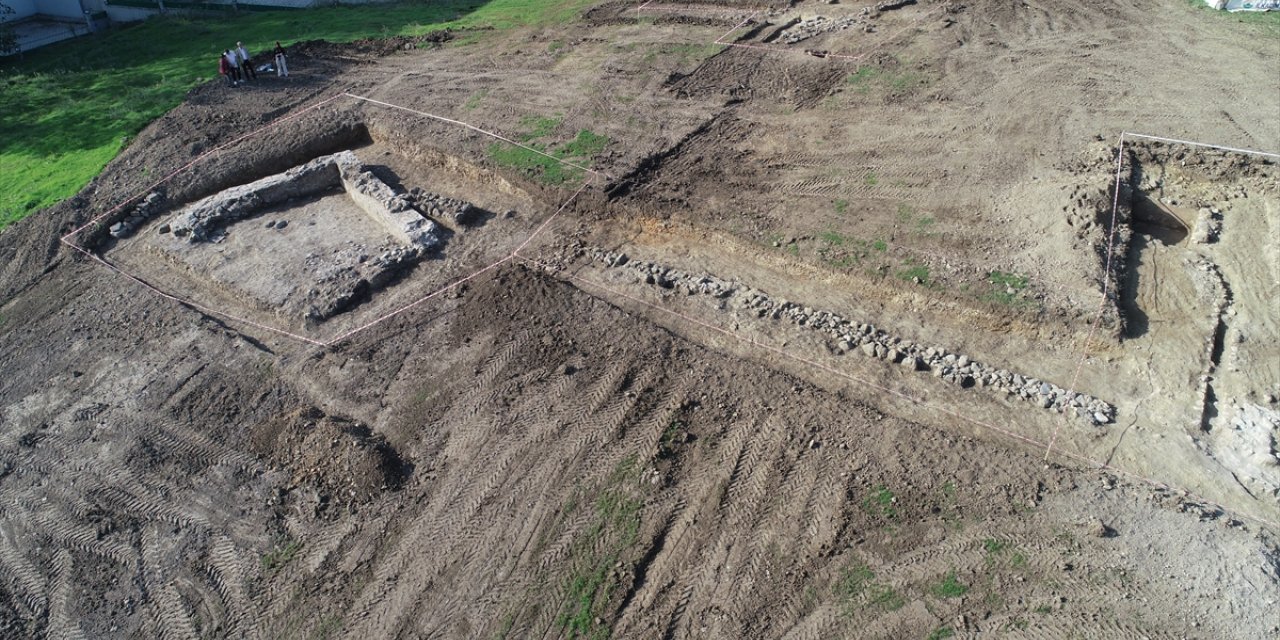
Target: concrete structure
[[41, 22]]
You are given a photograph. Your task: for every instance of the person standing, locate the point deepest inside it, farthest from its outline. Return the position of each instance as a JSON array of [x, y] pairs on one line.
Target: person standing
[[246, 65], [282, 68], [224, 69], [233, 65]]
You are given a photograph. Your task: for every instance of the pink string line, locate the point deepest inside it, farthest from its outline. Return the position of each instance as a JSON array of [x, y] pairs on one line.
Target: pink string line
[[1106, 289], [1202, 144], [200, 157], [345, 335], [912, 399], [182, 301], [479, 130], [704, 9]]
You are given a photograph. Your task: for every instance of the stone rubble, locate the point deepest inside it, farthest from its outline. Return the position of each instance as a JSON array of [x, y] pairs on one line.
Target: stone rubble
[[203, 220], [390, 209], [143, 211], [850, 337], [460, 212]]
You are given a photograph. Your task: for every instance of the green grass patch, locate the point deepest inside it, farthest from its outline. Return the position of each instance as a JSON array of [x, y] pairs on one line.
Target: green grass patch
[[1008, 289], [615, 528], [280, 556], [538, 127], [852, 581], [475, 99], [864, 78], [1268, 21], [871, 179], [832, 238], [880, 246], [993, 546], [950, 587], [841, 206], [941, 633], [67, 109], [881, 501], [543, 161], [885, 597], [913, 272], [895, 80]]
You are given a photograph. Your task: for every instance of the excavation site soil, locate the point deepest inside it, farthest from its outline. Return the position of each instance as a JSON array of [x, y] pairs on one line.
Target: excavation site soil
[[679, 320]]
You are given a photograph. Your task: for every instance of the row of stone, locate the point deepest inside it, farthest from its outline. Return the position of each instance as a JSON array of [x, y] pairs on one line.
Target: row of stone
[[441, 207], [141, 213], [846, 336]]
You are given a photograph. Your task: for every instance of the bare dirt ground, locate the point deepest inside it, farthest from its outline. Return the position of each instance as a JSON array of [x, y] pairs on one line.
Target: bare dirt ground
[[873, 262]]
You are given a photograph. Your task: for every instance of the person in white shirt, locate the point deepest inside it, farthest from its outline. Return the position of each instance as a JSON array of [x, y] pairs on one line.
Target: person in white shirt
[[246, 65], [233, 62]]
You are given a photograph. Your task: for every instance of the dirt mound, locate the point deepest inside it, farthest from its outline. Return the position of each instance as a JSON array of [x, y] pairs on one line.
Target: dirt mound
[[342, 462]]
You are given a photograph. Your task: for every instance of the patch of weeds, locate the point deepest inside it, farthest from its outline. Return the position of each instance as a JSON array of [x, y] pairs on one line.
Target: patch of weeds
[[871, 179], [587, 145], [1019, 560], [906, 213], [1043, 610], [1016, 624], [841, 206], [555, 45], [950, 587], [810, 599], [941, 633], [670, 436], [328, 627], [864, 78], [852, 581], [885, 597], [793, 249], [913, 272], [508, 622], [832, 238], [881, 501], [894, 81], [615, 528], [538, 127], [1007, 288], [993, 546], [919, 223], [542, 161], [474, 100], [280, 556], [880, 246]]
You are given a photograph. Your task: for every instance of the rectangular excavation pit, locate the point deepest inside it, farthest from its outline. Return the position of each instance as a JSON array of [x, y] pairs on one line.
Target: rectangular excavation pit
[[332, 244]]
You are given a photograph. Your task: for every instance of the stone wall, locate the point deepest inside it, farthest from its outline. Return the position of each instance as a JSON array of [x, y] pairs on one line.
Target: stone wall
[[847, 336]]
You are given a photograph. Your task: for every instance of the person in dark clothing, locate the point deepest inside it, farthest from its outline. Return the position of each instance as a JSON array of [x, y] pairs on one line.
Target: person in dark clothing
[[282, 65]]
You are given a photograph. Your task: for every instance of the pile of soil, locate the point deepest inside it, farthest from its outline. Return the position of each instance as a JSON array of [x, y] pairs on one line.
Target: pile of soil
[[342, 462]]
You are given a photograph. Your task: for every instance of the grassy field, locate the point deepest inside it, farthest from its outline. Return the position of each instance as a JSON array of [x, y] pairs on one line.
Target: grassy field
[[68, 109]]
